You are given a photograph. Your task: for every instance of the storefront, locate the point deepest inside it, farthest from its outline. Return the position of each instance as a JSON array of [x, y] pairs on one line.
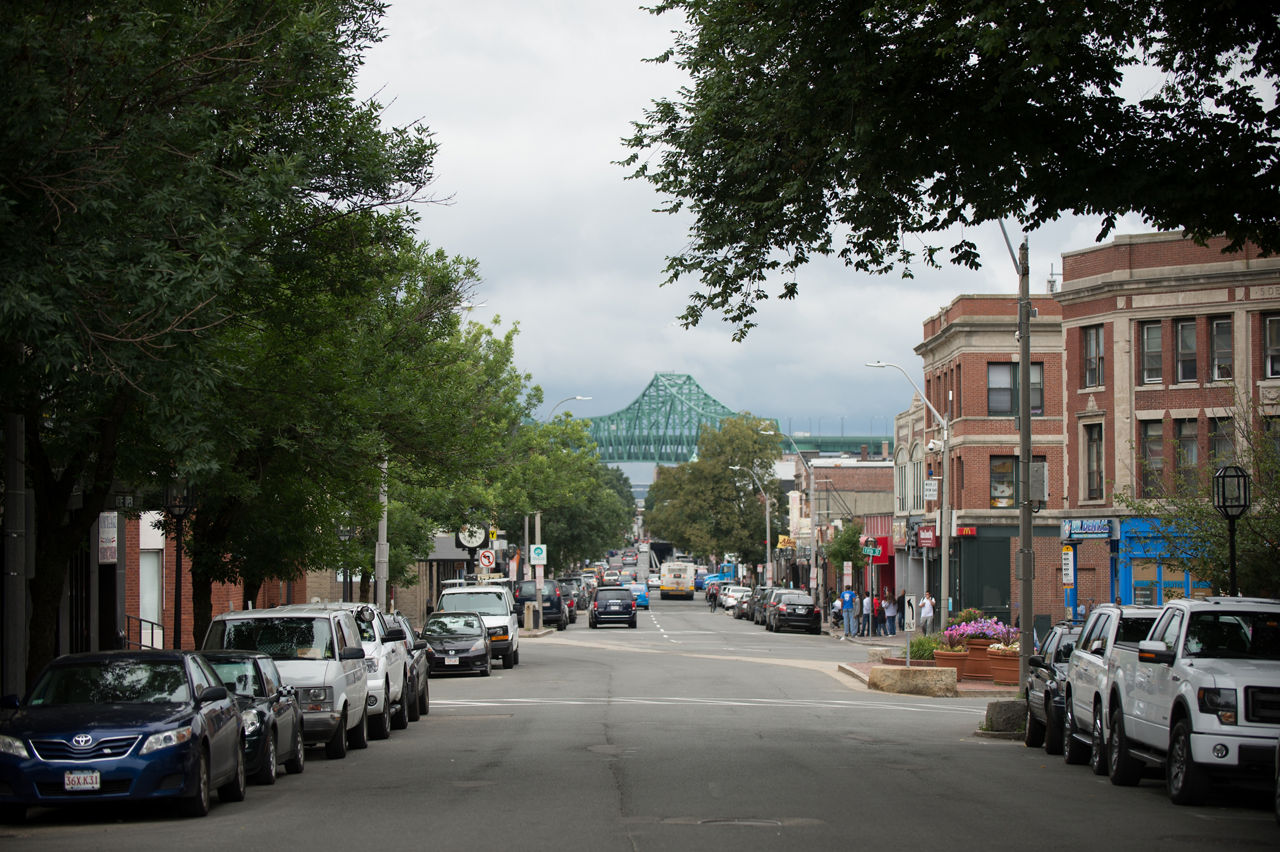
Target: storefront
[[1147, 573]]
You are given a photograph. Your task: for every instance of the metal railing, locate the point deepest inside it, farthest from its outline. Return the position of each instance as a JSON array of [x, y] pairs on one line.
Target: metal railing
[[141, 633]]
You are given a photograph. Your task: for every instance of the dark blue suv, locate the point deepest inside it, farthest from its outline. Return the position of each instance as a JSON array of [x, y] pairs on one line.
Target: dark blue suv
[[554, 609]]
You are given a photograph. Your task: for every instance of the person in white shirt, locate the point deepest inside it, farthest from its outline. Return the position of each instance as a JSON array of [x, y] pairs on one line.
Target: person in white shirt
[[926, 614]]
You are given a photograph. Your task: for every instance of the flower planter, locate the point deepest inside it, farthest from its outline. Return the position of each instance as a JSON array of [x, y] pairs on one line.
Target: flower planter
[[951, 659], [979, 665], [1004, 668]]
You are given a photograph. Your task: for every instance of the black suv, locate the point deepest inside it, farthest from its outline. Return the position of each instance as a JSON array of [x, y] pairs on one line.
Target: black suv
[[612, 605], [554, 609]]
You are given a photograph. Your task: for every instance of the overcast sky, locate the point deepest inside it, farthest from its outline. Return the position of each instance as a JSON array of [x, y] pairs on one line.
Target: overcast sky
[[529, 102]]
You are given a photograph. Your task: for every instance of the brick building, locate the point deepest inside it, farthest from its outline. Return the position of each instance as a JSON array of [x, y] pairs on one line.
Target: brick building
[[1138, 363]]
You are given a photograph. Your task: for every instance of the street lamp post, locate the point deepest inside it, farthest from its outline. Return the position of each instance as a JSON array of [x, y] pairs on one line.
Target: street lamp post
[[1231, 499], [562, 402], [944, 506], [768, 530], [344, 535], [178, 500], [813, 520]]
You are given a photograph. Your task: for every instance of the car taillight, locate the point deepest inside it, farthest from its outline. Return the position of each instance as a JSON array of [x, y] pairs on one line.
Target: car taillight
[[782, 607], [633, 604], [595, 605]]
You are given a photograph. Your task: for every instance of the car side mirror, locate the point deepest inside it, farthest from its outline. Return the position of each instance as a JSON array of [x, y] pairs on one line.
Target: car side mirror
[[420, 645], [395, 634], [213, 693], [352, 652], [1035, 661]]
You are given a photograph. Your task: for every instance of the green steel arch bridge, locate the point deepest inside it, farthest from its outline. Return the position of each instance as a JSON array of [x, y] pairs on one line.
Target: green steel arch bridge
[[662, 425]]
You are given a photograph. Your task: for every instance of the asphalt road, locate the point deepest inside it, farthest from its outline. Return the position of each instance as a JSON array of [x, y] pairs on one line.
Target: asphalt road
[[692, 731]]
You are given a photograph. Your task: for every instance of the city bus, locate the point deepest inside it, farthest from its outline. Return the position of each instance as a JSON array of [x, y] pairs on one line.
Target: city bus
[[676, 580]]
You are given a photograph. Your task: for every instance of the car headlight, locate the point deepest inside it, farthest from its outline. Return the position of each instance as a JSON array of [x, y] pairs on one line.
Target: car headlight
[[316, 699], [478, 646], [1218, 701], [251, 722], [166, 739], [13, 746]]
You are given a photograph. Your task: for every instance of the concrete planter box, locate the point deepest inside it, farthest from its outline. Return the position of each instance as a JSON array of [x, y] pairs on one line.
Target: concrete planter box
[[916, 680], [901, 661]]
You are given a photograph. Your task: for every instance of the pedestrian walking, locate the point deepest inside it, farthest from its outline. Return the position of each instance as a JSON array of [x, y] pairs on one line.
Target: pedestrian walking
[[846, 606], [902, 609], [866, 613], [926, 614], [857, 614], [890, 616]]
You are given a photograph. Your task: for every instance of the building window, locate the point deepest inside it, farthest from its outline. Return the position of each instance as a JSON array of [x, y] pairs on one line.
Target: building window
[[1222, 445], [1152, 341], [1002, 390], [917, 480], [1004, 481], [1093, 461], [1272, 331], [901, 470], [1222, 349], [1186, 337], [1151, 433], [1092, 356], [1188, 452]]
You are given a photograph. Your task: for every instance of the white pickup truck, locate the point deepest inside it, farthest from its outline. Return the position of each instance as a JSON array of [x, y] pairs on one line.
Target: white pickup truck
[[1200, 696], [1088, 678]]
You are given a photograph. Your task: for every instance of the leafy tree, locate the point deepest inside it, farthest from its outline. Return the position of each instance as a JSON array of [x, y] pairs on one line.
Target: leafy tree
[[863, 129], [1191, 529], [159, 160], [845, 546]]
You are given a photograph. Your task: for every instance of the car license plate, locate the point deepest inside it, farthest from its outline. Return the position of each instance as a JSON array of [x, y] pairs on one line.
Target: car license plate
[[450, 661], [76, 780]]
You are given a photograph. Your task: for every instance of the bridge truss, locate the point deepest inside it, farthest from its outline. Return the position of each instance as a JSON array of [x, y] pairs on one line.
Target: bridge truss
[[662, 425]]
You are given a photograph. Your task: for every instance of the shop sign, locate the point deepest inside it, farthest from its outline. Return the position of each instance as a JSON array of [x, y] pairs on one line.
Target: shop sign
[[927, 536], [966, 531], [1086, 528]]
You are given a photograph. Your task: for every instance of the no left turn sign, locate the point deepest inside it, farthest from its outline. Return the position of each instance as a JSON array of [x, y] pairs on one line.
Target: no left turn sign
[[486, 558]]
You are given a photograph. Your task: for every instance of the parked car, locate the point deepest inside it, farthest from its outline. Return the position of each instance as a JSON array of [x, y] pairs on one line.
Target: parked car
[[121, 726], [569, 594], [497, 607], [760, 614], [554, 609], [458, 643], [612, 605], [752, 602], [641, 593], [269, 712], [386, 664], [318, 652], [1046, 679], [794, 610], [419, 690], [731, 596]]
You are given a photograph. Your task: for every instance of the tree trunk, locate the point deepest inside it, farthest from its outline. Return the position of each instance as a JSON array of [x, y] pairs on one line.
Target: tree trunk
[[201, 606], [251, 591]]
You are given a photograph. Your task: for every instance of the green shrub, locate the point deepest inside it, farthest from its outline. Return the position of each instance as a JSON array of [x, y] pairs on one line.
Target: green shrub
[[966, 615], [922, 647]]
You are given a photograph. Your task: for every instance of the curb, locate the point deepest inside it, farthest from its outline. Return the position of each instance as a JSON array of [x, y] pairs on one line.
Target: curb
[[536, 634], [852, 672]]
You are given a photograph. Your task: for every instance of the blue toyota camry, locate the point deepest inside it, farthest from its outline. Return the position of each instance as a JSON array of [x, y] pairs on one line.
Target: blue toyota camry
[[121, 726]]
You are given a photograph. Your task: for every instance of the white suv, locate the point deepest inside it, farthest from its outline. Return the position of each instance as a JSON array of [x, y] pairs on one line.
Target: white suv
[[386, 662], [497, 608], [318, 652]]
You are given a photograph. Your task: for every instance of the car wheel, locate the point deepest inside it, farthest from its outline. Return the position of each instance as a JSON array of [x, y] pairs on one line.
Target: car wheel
[[1052, 730], [1277, 785], [1097, 745], [410, 701], [424, 697], [488, 669], [515, 657], [1125, 769], [508, 660], [197, 805], [561, 624], [631, 623], [1183, 778], [380, 725], [298, 761], [359, 735], [400, 718], [336, 748], [267, 774], [592, 623], [233, 790], [1033, 737], [1073, 751]]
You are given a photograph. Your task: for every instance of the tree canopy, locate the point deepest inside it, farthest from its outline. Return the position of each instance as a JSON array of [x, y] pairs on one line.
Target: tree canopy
[[864, 129]]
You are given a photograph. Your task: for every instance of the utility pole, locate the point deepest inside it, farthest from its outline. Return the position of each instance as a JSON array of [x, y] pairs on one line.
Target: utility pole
[[380, 553], [1026, 540], [15, 556]]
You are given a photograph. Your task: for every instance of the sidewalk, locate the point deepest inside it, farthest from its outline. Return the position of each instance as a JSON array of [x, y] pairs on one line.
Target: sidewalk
[[896, 646]]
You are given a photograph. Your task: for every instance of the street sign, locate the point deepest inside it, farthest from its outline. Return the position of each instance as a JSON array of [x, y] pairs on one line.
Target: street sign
[[1068, 566], [931, 489], [537, 554], [870, 551], [486, 558]]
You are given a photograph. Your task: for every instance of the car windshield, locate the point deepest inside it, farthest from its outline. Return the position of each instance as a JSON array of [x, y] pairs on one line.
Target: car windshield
[[1237, 635], [453, 625], [297, 638], [485, 603], [240, 676], [129, 681]]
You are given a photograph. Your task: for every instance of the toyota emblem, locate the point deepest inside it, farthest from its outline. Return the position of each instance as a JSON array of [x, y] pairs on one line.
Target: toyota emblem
[[81, 740]]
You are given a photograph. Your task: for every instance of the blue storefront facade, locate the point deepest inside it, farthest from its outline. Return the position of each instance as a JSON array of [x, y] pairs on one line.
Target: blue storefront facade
[[1146, 573]]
